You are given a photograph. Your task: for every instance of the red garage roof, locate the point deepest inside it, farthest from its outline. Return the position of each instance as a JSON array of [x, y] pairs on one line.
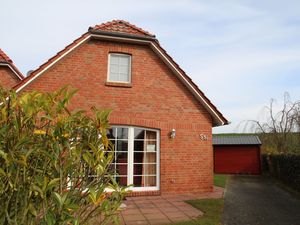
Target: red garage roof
[[236, 140]]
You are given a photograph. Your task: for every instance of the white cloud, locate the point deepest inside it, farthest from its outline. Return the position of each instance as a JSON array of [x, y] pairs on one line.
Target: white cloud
[[240, 53]]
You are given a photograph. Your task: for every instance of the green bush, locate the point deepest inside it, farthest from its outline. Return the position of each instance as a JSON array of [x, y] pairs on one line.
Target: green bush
[[285, 167], [54, 164]]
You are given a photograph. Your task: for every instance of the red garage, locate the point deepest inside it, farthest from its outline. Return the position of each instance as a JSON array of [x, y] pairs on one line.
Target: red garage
[[237, 154]]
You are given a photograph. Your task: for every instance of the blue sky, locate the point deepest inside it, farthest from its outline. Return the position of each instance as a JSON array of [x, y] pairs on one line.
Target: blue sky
[[240, 53]]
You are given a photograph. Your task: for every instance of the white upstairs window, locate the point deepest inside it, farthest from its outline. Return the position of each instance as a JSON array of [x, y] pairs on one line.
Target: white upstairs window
[[119, 69]]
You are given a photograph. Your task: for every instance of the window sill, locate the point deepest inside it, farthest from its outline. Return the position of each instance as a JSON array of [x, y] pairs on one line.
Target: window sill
[[116, 84]]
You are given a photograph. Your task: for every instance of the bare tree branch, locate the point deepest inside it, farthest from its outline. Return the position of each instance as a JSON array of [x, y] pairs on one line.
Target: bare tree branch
[[281, 127]]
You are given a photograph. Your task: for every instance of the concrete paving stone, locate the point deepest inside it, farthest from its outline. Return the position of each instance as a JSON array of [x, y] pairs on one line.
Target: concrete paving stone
[[130, 212], [185, 205], [155, 216], [160, 222], [154, 197], [141, 201], [163, 204], [138, 222], [184, 208], [180, 219], [146, 205], [140, 198], [150, 210], [179, 203], [169, 209], [137, 217], [159, 209], [157, 200], [174, 214]]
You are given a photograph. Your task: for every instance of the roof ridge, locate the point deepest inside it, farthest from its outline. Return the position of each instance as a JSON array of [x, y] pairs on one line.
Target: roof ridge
[[216, 114], [109, 23]]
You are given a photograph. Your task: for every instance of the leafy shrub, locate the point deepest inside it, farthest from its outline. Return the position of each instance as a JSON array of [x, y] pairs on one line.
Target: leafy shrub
[[54, 164], [285, 167]]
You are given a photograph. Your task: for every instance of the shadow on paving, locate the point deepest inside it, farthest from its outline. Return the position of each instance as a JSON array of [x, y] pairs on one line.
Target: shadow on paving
[[257, 200]]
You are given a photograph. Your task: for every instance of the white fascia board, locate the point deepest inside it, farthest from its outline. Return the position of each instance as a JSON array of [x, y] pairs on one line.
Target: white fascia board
[[51, 64], [187, 83], [12, 69], [170, 64], [153, 46]]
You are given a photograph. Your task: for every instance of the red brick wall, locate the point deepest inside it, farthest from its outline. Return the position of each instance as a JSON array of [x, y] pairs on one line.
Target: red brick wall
[[7, 78], [157, 99]]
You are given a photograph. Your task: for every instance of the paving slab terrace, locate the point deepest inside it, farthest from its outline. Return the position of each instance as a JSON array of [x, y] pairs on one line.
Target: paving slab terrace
[[163, 209]]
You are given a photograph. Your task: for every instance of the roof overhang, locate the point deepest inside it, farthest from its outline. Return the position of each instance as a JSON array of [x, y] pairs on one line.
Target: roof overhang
[[122, 35], [13, 69], [217, 120], [217, 117]]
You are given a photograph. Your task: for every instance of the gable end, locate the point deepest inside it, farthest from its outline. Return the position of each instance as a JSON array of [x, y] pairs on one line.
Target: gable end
[[146, 39]]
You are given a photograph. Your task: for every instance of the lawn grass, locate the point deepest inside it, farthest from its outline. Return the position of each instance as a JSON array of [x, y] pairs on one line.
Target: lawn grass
[[212, 209], [220, 180]]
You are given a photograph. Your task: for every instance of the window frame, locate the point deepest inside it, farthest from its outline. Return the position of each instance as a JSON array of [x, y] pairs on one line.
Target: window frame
[[129, 69], [130, 159]]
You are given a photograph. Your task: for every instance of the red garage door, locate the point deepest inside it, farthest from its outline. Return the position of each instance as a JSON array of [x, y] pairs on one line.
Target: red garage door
[[237, 159]]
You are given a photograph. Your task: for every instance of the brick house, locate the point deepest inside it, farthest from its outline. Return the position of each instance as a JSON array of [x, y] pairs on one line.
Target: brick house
[[161, 121], [9, 74]]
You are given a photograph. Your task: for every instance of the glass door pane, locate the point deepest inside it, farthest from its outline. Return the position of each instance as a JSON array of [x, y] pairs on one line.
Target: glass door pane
[[135, 160], [144, 154], [119, 137]]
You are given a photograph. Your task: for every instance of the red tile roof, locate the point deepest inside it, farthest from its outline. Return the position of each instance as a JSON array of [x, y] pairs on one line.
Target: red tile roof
[[51, 60], [121, 26], [197, 89], [6, 61], [4, 57]]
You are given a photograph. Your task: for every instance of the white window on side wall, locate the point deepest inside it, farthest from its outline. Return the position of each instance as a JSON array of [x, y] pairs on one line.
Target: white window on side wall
[[119, 68]]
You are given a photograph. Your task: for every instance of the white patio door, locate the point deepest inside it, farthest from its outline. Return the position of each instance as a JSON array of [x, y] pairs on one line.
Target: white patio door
[[136, 157]]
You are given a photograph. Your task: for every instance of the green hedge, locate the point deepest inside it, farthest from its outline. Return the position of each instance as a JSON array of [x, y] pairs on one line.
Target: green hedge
[[285, 167]]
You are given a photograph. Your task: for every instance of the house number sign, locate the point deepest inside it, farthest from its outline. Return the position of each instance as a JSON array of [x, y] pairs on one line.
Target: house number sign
[[203, 137]]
